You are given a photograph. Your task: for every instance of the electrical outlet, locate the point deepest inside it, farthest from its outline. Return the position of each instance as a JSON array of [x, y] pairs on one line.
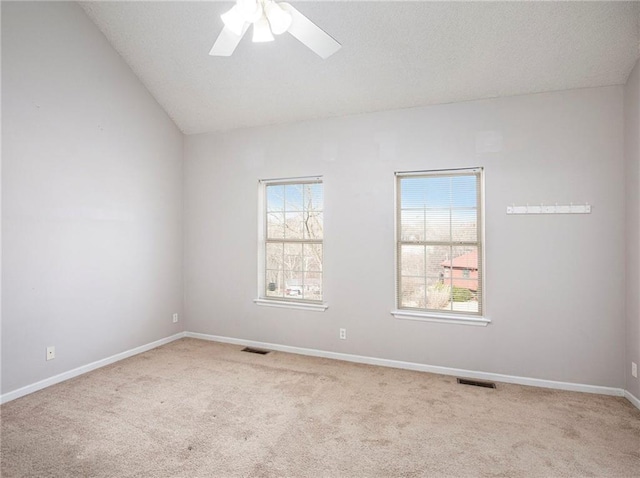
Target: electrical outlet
[[175, 318], [343, 334], [634, 369], [51, 353]]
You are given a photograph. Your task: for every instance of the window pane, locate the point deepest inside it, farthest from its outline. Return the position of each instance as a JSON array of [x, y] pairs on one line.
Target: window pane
[[464, 191], [412, 224], [438, 294], [464, 225], [464, 295], [314, 197], [312, 286], [293, 284], [275, 225], [293, 225], [274, 283], [412, 292], [275, 256], [293, 197], [437, 261], [412, 260], [312, 227], [275, 198], [426, 224], [312, 256], [465, 264], [438, 225], [293, 257], [313, 204], [421, 192]]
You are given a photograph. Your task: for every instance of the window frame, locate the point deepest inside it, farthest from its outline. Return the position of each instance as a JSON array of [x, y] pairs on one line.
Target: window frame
[[435, 315], [284, 302]]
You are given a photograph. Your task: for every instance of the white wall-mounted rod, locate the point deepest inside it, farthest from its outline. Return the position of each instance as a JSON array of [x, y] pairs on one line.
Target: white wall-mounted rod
[[553, 209]]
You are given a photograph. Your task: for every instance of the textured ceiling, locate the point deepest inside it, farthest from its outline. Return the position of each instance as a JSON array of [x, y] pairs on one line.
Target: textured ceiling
[[394, 55]]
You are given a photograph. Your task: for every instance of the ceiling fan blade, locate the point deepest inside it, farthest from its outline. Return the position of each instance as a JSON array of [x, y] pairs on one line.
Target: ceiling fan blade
[[227, 42], [310, 34]]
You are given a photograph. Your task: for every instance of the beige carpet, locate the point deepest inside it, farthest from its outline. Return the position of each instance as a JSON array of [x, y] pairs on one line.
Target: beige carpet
[[201, 409]]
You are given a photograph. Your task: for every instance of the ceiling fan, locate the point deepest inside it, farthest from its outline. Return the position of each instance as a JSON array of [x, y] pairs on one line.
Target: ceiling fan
[[270, 18]]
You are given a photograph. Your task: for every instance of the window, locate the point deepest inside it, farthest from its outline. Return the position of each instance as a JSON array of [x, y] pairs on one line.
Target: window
[[439, 244], [292, 243]]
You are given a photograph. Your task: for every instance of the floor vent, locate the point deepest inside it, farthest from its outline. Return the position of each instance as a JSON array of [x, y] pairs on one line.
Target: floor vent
[[251, 350], [476, 383]]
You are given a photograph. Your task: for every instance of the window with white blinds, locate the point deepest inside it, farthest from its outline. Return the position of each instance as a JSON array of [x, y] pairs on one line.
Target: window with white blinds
[[439, 241], [292, 240]]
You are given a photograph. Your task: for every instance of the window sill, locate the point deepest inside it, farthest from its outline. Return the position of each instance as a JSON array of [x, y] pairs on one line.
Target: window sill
[[441, 318], [291, 305]]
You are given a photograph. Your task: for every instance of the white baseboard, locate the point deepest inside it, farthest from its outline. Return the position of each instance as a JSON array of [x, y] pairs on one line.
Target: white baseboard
[[576, 387], [47, 382], [632, 398], [534, 382]]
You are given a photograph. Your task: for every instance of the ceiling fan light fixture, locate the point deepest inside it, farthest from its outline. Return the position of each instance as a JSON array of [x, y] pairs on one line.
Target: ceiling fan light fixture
[[234, 20], [251, 10], [261, 31], [279, 19], [269, 17]]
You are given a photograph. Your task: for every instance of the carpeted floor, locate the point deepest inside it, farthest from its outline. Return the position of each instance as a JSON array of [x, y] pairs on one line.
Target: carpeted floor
[[201, 409]]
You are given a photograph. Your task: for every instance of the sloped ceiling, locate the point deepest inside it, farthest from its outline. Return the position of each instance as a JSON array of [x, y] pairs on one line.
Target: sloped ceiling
[[394, 55]]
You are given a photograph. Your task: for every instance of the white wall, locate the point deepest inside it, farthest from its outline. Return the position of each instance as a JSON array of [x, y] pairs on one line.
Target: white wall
[[91, 205], [632, 186], [555, 284]]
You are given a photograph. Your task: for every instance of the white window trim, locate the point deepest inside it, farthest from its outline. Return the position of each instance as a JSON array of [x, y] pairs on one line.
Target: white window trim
[[278, 302], [433, 316], [441, 318], [283, 304]]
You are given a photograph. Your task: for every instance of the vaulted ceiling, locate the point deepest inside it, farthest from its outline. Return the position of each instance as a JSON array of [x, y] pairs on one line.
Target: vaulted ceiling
[[394, 55]]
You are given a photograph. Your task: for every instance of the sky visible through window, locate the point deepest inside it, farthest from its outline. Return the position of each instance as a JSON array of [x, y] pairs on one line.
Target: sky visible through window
[[294, 197], [439, 192], [438, 202]]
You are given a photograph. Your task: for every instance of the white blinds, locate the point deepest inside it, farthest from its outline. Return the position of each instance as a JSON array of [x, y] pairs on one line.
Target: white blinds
[[439, 248]]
